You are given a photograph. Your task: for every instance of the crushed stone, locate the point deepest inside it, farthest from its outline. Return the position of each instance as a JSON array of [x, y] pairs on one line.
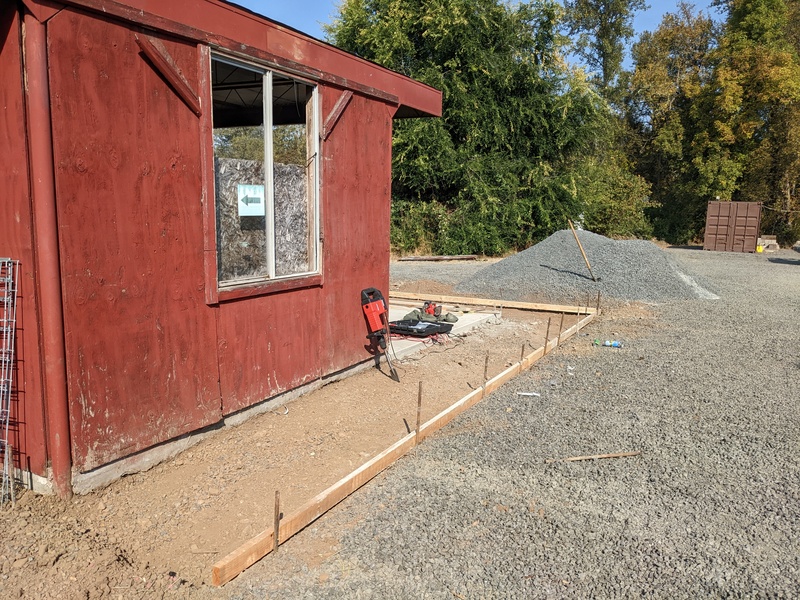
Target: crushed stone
[[554, 271]]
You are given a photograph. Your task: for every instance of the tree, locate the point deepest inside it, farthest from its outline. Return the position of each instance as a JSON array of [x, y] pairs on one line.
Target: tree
[[603, 28], [503, 167], [718, 114], [750, 147], [672, 69], [288, 143]]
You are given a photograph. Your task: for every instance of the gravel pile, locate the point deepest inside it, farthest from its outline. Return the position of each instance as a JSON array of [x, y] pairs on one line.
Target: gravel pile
[[554, 271], [707, 391]]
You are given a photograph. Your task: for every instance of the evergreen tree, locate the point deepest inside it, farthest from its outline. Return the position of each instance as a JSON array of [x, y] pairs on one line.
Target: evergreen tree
[[506, 164]]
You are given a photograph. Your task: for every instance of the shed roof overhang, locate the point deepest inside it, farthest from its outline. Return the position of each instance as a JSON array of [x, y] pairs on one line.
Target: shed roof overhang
[[234, 29]]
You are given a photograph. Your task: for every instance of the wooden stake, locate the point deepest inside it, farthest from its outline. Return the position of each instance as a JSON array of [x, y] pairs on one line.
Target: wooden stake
[[277, 522], [594, 457], [486, 369], [522, 353], [588, 266], [419, 413], [597, 308], [560, 327]]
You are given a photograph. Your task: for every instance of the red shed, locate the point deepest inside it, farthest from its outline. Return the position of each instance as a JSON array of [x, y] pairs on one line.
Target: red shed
[[197, 195]]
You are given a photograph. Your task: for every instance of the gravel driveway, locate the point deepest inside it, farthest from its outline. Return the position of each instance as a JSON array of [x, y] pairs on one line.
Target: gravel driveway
[[707, 390]]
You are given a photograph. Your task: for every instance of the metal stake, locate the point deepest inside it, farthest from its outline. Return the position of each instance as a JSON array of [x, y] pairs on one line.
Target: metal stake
[[547, 335], [276, 527], [419, 413]]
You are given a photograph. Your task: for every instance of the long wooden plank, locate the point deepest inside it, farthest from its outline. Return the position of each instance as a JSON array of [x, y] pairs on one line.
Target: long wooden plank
[[492, 302], [253, 550], [440, 258], [256, 548], [528, 361], [154, 49], [448, 414], [501, 378], [326, 500], [336, 113]]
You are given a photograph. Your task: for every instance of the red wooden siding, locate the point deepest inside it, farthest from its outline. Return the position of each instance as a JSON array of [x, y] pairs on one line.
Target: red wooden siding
[[16, 241], [273, 343], [153, 350], [357, 198], [228, 26], [267, 345], [140, 340]]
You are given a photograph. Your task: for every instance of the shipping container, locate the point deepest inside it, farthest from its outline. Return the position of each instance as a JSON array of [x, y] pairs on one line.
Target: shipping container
[[732, 226]]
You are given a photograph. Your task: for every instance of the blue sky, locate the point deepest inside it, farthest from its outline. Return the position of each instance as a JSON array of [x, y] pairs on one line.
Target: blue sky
[[309, 15]]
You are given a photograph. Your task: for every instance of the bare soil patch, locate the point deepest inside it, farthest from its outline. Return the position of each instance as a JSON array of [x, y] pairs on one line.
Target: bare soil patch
[[157, 533]]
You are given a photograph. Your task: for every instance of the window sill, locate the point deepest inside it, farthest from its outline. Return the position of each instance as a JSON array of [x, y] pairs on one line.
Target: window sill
[[264, 288]]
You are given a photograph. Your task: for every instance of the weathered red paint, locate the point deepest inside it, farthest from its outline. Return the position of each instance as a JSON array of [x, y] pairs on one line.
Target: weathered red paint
[[16, 241], [153, 349], [274, 343], [335, 114], [138, 332], [165, 65], [357, 198], [42, 10], [236, 29], [47, 254]]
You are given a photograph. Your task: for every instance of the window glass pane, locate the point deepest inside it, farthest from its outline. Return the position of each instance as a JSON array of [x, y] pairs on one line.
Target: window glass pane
[[239, 172], [266, 226], [293, 169]]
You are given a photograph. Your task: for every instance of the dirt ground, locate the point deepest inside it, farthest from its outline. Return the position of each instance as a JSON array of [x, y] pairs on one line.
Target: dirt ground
[[157, 533]]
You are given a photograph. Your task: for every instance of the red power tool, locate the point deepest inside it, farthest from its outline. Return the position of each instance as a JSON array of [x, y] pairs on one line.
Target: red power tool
[[431, 308], [378, 323]]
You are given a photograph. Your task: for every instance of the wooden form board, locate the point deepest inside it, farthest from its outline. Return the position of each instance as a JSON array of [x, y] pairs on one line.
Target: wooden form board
[[256, 548], [578, 310]]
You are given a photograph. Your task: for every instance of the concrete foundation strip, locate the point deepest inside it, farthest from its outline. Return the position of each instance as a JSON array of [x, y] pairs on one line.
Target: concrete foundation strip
[[256, 548]]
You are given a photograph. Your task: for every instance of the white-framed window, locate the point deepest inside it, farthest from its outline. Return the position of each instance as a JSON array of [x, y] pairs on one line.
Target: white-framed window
[[266, 173]]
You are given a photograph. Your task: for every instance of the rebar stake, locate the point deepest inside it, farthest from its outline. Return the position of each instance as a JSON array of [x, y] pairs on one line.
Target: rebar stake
[[547, 335], [277, 522], [419, 413]]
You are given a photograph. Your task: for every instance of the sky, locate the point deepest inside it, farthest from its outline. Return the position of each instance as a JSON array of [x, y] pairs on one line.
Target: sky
[[309, 15]]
